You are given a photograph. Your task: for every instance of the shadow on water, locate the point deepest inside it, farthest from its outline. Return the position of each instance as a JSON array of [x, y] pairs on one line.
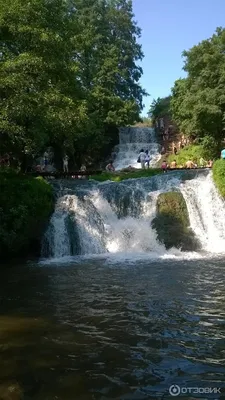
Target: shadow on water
[[94, 330]]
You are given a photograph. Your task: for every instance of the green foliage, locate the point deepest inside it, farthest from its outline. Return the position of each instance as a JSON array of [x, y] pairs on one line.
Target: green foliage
[[198, 101], [25, 206], [193, 152], [219, 176], [160, 108], [120, 176], [69, 74], [147, 121], [172, 222]]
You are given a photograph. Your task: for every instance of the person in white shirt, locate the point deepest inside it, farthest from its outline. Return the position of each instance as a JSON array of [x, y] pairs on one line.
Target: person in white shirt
[[83, 168], [65, 163], [142, 158]]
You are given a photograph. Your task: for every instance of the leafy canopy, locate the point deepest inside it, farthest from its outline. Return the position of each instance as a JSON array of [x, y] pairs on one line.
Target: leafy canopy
[[69, 73], [159, 108], [198, 101]]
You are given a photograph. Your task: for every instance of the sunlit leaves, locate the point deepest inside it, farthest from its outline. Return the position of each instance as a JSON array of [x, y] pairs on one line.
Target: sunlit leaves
[[198, 102]]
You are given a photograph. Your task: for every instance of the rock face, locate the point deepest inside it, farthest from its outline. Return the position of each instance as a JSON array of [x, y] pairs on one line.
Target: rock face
[[172, 222]]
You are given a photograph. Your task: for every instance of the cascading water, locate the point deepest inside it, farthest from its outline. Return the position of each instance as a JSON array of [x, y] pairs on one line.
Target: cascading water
[[99, 218], [110, 217], [206, 212], [132, 140]]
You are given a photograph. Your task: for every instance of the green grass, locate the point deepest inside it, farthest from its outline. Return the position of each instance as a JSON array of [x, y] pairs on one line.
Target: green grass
[[193, 152], [120, 176], [219, 175]]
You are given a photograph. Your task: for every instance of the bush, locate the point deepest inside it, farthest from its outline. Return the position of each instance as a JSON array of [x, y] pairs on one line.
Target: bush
[[25, 206], [193, 152], [219, 175]]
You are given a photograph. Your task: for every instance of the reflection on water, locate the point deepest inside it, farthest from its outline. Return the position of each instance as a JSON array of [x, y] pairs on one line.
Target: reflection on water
[[98, 331]]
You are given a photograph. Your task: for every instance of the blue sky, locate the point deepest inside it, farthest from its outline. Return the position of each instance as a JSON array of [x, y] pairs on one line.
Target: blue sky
[[168, 28]]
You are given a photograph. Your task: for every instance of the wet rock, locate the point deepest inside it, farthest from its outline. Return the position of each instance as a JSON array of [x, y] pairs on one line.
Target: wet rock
[[172, 223]]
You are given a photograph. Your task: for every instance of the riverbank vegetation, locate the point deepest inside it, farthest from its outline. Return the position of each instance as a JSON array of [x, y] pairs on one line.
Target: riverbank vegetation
[[25, 207], [69, 77], [120, 175], [192, 152], [219, 176], [198, 101], [197, 105]]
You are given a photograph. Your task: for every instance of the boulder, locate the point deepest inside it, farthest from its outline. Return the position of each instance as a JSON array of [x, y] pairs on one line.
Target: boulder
[[172, 222]]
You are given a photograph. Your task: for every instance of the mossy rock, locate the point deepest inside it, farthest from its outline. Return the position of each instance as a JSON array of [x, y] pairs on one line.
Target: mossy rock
[[172, 222]]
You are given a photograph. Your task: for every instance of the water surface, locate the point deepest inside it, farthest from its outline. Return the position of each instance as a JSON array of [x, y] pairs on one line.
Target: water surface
[[100, 329]]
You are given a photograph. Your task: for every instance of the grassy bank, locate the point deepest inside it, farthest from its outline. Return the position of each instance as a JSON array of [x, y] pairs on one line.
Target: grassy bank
[[219, 176], [120, 176], [193, 152], [25, 206]]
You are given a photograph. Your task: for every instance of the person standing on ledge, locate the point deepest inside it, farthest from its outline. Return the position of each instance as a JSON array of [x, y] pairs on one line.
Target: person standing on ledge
[[82, 169], [65, 163], [142, 158]]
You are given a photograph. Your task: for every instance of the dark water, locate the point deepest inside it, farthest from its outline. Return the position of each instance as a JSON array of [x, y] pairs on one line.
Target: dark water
[[99, 330]]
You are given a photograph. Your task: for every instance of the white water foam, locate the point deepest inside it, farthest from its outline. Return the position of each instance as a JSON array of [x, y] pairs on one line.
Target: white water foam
[[60, 245], [129, 234], [206, 212]]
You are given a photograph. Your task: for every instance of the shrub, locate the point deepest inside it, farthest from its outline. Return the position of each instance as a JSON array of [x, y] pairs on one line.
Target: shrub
[[25, 206], [193, 152], [219, 175]]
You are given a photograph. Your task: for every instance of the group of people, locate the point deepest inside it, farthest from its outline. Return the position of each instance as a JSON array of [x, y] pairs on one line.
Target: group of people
[[46, 161], [180, 145], [188, 165], [144, 158]]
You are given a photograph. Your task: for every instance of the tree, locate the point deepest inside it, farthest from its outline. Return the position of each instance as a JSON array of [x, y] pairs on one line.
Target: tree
[[41, 99], [69, 74], [159, 108], [107, 56], [198, 102]]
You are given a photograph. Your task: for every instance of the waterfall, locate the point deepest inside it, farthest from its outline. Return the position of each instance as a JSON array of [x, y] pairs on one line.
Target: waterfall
[[206, 212], [58, 244], [132, 140], [111, 217]]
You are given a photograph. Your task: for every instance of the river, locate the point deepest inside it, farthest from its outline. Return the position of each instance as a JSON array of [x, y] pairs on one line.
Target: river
[[113, 328], [107, 312]]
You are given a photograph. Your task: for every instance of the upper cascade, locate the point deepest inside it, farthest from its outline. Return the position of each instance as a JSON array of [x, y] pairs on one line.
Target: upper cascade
[[132, 140]]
